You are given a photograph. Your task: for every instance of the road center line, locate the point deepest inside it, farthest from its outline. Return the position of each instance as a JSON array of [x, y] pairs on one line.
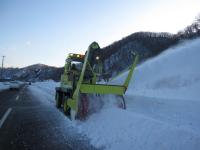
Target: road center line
[[5, 116], [17, 97]]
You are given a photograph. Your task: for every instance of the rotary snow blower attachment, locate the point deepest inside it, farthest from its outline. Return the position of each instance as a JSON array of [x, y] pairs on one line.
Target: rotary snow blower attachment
[[81, 73]]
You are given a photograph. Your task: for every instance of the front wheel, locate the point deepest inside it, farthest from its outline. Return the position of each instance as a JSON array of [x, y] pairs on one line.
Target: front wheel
[[83, 107], [58, 99], [66, 108]]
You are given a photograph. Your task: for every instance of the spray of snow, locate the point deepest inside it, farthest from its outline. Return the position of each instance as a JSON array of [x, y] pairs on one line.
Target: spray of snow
[[174, 74]]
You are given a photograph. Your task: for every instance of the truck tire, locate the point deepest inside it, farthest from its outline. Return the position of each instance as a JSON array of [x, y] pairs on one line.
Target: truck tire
[[66, 108], [58, 99]]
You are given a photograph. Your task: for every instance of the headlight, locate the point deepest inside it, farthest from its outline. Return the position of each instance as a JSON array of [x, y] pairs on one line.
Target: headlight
[[97, 58]]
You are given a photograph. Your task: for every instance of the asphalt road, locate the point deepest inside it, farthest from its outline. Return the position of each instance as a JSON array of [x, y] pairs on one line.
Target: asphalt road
[[27, 123]]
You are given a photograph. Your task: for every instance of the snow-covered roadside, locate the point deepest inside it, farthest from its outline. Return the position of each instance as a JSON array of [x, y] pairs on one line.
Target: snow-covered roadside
[[44, 90], [10, 84], [45, 93], [167, 118], [117, 129], [4, 86], [148, 123]]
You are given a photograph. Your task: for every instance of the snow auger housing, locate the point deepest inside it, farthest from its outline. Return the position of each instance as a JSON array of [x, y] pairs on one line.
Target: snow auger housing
[[80, 78]]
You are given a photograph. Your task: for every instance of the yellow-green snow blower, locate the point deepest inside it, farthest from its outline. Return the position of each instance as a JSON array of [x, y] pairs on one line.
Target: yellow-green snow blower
[[81, 73]]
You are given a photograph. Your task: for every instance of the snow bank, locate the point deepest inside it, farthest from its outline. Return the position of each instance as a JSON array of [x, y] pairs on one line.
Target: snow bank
[[44, 90], [4, 86], [173, 74], [146, 124], [118, 129], [11, 84]]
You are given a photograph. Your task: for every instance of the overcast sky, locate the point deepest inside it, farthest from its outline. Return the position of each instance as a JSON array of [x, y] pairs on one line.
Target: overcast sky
[[45, 31]]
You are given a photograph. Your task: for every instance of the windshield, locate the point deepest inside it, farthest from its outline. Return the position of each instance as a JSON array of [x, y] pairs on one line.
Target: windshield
[[78, 65]]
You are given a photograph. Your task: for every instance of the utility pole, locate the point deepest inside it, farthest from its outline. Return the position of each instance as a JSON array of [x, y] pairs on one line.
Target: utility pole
[[2, 66]]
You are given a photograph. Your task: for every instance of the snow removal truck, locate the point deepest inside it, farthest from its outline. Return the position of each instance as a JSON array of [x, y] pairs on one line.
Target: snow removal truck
[[79, 80]]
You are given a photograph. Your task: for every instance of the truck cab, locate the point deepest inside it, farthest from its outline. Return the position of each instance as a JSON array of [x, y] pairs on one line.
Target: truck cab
[[72, 70]]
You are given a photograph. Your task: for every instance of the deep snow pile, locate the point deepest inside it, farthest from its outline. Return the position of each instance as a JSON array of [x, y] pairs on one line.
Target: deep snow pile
[[174, 74]]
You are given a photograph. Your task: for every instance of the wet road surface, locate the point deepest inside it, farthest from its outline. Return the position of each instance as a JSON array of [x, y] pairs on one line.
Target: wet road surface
[[27, 123]]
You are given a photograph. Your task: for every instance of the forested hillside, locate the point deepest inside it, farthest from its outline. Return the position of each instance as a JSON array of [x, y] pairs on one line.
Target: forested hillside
[[120, 54]]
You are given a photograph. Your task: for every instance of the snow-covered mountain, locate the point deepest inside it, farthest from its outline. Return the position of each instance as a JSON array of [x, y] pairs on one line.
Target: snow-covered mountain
[[147, 44], [37, 72]]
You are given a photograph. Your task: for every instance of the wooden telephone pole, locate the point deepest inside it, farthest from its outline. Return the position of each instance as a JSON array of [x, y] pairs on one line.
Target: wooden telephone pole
[[2, 66]]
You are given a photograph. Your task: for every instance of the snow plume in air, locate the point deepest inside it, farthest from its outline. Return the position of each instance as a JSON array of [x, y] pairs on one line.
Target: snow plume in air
[[174, 74]]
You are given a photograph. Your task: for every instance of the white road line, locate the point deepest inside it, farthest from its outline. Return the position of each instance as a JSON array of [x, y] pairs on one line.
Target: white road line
[[17, 97], [5, 116]]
